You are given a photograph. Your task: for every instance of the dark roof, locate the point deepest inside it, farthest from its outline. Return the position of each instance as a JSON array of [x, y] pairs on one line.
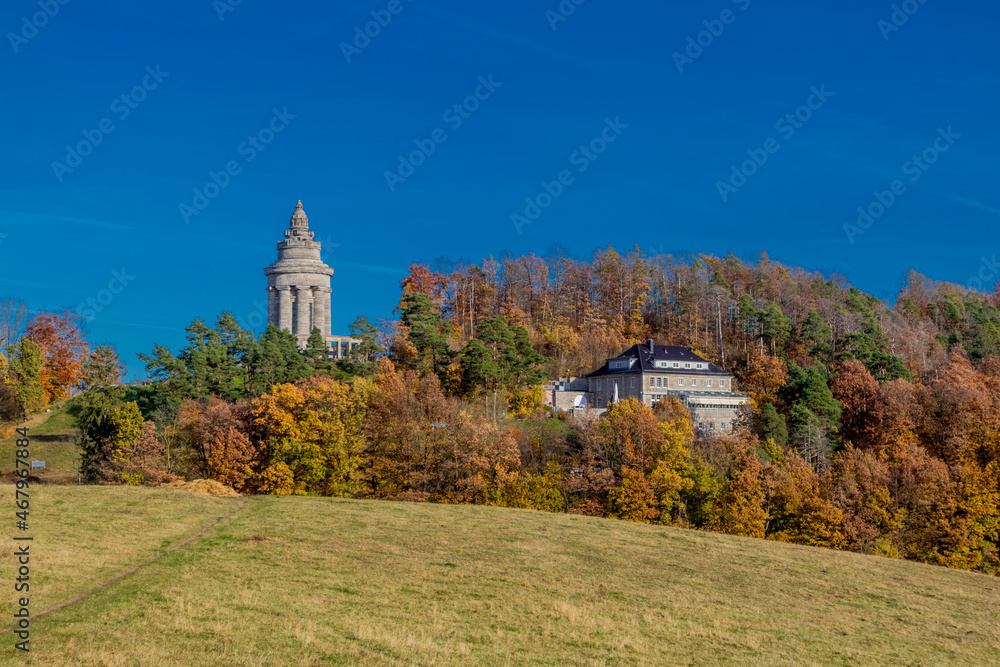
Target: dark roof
[[646, 361]]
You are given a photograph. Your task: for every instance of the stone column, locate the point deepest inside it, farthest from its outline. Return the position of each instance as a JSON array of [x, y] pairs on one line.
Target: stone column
[[285, 308], [323, 310], [303, 300], [273, 316]]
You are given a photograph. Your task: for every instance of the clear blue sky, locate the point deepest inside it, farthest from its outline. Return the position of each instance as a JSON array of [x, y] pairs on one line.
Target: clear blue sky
[[657, 185]]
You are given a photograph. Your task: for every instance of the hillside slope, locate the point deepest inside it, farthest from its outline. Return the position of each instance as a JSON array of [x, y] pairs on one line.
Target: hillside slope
[[303, 581], [54, 440]]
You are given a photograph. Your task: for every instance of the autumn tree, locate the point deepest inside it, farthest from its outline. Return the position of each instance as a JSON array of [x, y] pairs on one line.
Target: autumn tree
[[110, 428], [632, 499], [140, 461], [213, 441], [799, 508], [59, 335], [630, 435], [421, 280], [669, 478], [405, 431], [764, 378], [314, 428], [741, 508]]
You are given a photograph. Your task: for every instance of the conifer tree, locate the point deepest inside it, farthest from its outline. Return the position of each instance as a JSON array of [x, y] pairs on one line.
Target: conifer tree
[[426, 327], [102, 368], [317, 353]]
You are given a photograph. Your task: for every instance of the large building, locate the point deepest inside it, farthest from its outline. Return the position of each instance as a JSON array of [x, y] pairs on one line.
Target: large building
[[650, 373], [298, 287]]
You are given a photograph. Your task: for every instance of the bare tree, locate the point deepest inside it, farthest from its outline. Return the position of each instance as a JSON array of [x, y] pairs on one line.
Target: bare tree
[[813, 445], [13, 319]]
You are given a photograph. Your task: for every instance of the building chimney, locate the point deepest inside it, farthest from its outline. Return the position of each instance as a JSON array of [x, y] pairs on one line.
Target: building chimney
[[652, 349]]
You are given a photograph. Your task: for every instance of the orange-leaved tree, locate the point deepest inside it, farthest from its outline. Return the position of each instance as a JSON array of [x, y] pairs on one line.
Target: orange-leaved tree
[[741, 508], [216, 442], [59, 335]]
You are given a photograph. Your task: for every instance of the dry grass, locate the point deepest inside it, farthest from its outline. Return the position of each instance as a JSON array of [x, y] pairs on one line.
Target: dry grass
[[85, 535], [204, 487], [52, 437], [308, 581]]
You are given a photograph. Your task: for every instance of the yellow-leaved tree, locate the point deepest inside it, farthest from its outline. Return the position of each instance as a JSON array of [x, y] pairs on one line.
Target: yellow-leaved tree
[[313, 429]]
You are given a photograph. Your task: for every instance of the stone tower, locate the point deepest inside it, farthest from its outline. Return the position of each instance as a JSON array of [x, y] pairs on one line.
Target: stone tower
[[298, 284]]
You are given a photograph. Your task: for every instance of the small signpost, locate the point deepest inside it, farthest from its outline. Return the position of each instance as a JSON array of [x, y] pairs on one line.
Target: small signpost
[[37, 464]]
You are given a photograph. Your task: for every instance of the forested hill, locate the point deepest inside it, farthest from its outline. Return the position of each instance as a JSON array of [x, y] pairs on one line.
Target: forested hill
[[872, 429], [580, 312]]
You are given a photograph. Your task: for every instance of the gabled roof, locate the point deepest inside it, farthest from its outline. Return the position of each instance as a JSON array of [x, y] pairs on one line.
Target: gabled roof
[[646, 359]]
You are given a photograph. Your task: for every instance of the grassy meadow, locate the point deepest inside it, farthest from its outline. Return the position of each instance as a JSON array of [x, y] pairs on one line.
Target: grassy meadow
[[53, 435], [313, 581]]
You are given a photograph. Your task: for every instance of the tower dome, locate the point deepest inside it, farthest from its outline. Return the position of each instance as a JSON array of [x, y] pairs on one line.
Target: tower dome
[[299, 218]]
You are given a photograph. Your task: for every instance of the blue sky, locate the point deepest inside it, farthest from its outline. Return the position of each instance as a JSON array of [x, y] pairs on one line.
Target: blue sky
[[887, 94]]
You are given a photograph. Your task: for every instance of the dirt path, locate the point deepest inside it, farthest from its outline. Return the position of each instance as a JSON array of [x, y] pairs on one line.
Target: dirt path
[[240, 504]]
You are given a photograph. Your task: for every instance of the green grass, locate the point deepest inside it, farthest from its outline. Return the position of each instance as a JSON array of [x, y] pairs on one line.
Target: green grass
[[52, 436], [311, 581]]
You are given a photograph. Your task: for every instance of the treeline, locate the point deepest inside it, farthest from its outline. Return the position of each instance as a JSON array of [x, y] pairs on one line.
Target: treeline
[[871, 428]]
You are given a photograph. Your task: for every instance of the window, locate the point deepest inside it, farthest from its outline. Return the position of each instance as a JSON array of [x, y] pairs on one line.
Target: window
[[711, 426], [687, 365], [659, 382], [676, 365], [722, 383], [709, 383], [698, 365], [694, 382], [598, 385], [701, 426], [631, 383], [723, 426], [652, 382], [680, 382]]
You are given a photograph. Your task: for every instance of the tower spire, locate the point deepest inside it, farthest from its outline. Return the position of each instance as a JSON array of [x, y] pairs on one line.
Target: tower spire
[[299, 218]]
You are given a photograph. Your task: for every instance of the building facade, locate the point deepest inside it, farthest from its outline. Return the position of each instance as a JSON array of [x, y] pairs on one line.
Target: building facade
[[650, 373], [298, 287]]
